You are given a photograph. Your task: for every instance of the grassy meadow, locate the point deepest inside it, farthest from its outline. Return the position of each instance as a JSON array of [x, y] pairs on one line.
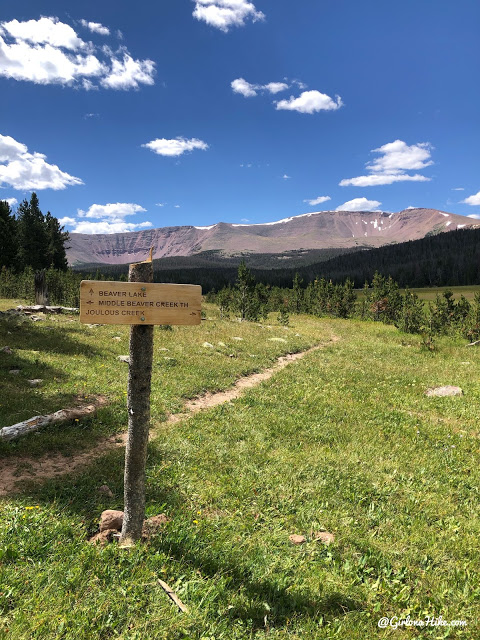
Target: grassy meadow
[[429, 293], [343, 440]]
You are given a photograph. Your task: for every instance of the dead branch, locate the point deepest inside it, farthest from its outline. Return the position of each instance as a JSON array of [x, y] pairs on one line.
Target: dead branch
[[37, 422], [173, 596]]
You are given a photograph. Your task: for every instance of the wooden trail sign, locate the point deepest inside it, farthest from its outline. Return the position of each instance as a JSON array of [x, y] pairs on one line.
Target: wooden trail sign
[[140, 303]]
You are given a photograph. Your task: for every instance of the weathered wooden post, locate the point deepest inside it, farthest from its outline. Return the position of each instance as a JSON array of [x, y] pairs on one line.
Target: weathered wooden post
[[41, 289], [138, 405], [141, 304]]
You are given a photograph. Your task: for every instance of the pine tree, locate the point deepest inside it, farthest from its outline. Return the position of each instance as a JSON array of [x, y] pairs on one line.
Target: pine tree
[[261, 299], [283, 317], [345, 299], [224, 301], [56, 239], [442, 312], [411, 319], [32, 235], [297, 294], [384, 298], [245, 300], [41, 239], [471, 329], [8, 236]]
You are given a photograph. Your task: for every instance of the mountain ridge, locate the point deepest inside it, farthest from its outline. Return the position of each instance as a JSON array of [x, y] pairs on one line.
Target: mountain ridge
[[314, 230]]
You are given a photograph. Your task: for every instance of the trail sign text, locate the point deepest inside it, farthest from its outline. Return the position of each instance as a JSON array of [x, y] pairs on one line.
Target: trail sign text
[[140, 303]]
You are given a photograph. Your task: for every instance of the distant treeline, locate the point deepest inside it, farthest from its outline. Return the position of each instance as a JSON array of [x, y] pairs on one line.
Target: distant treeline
[[443, 260], [382, 300], [446, 259], [293, 259], [213, 270]]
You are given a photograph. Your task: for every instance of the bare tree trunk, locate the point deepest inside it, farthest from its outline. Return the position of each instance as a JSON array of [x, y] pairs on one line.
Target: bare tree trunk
[[41, 289], [139, 385]]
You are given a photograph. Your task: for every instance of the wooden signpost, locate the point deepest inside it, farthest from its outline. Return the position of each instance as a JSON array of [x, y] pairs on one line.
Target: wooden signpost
[[140, 303]]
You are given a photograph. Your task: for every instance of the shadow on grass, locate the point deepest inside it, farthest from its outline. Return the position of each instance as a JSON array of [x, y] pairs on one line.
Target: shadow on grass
[[19, 398], [25, 334], [78, 498], [284, 603], [69, 438], [20, 401]]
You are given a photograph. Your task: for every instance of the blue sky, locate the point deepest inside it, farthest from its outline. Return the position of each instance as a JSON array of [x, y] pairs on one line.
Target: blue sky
[[123, 116]]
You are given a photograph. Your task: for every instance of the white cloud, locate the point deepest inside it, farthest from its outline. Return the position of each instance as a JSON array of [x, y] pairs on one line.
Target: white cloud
[[47, 51], [10, 149], [398, 156], [285, 177], [240, 85], [160, 204], [359, 204], [375, 180], [310, 102], [114, 212], [318, 200], [129, 73], [175, 147], [474, 215], [44, 31], [24, 171], [111, 218], [224, 14], [88, 85], [95, 27], [300, 85], [276, 87], [249, 90], [244, 220], [108, 227], [473, 200], [394, 160], [66, 220], [11, 201], [410, 207], [46, 64], [177, 206], [458, 189]]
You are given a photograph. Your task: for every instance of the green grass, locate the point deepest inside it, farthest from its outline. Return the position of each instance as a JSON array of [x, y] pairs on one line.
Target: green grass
[[343, 440], [77, 362], [429, 293]]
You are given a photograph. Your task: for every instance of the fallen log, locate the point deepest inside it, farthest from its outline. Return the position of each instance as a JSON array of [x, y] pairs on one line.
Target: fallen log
[[37, 308], [37, 422]]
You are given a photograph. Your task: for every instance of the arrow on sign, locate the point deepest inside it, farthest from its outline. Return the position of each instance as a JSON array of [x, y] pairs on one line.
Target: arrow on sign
[[91, 292], [90, 302]]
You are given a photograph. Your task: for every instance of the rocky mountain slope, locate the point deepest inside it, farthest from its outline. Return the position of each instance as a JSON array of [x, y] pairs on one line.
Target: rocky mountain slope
[[319, 230]]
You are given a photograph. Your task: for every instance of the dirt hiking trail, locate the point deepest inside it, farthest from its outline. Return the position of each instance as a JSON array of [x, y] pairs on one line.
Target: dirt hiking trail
[[16, 469]]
